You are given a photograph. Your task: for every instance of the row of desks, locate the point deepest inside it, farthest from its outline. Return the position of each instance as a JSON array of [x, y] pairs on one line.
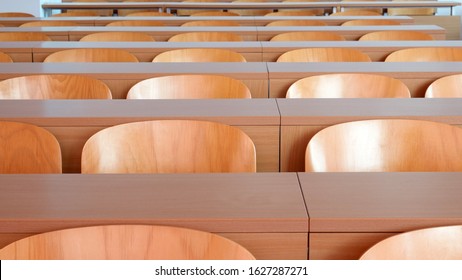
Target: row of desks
[[274, 215], [280, 128]]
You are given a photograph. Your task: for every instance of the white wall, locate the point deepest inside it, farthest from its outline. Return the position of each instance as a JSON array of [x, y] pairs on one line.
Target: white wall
[[26, 6]]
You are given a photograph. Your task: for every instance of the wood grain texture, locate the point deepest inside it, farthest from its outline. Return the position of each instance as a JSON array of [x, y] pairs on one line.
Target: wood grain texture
[[206, 36], [365, 22], [91, 55], [5, 58], [82, 13], [43, 23], [425, 54], [135, 23], [15, 14], [356, 12], [308, 36], [251, 12], [214, 14], [449, 87], [396, 35], [117, 37], [210, 23], [199, 55], [297, 22], [291, 13], [324, 55], [23, 36], [132, 13]]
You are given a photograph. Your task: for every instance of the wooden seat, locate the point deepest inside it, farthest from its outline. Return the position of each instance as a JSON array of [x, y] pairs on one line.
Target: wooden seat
[[374, 10], [75, 13], [199, 55], [391, 145], [125, 242], [205, 37], [437, 243], [290, 13], [188, 12], [43, 23], [135, 23], [99, 12], [308, 36], [191, 86], [251, 12], [356, 13], [449, 87], [210, 23], [301, 22], [5, 58], [128, 36], [148, 14], [129, 12], [315, 11], [15, 14], [214, 14], [23, 36], [91, 55], [365, 22], [58, 86], [410, 11], [324, 55], [348, 85], [396, 35], [169, 146], [425, 54], [26, 148]]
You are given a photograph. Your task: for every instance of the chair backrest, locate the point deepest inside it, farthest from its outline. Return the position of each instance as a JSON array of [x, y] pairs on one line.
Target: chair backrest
[[26, 148], [91, 55], [148, 14], [449, 86], [121, 36], [290, 13], [125, 242], [295, 22], [374, 10], [189, 87], [214, 14], [129, 12], [425, 54], [308, 36], [251, 12], [54, 86], [210, 23], [43, 23], [23, 36], [437, 243], [99, 12], [410, 11], [199, 55], [315, 11], [355, 13], [169, 146], [188, 12], [76, 13], [348, 85], [396, 35], [135, 23], [365, 22], [389, 145], [15, 14], [206, 37], [324, 55], [5, 58]]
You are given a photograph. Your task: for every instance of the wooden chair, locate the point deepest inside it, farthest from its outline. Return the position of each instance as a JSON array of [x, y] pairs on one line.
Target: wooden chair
[[189, 86], [135, 23], [127, 36], [366, 22], [91, 55], [188, 12], [425, 54], [374, 10], [23, 36], [315, 11], [26, 149], [74, 13], [449, 87], [251, 12], [410, 11], [348, 85], [355, 13], [4, 58], [44, 23], [148, 14], [214, 14], [324, 55], [396, 35], [210, 23], [437, 243], [56, 86], [300, 22], [125, 242], [99, 12], [15, 14], [308, 36], [199, 55], [205, 37], [390, 145], [129, 12], [300, 13], [169, 146]]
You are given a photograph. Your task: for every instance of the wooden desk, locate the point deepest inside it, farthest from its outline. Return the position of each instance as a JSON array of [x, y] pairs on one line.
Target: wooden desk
[[302, 118], [264, 212], [74, 121], [349, 212]]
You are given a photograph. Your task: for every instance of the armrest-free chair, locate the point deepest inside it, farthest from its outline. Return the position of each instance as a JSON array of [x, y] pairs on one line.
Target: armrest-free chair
[[425, 54], [135, 23], [410, 11], [449, 87], [15, 14], [365, 22], [77, 13], [251, 12], [122, 36], [169, 146], [300, 13], [214, 14], [205, 37], [295, 22], [148, 14], [210, 23], [396, 35], [23, 36], [355, 13], [324, 55], [91, 55], [44, 23], [308, 36], [199, 55]]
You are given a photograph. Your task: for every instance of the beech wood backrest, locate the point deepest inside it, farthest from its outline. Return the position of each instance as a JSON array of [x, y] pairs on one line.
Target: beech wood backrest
[[121, 36], [210, 23], [437, 243], [23, 36], [355, 13], [396, 35], [315, 11], [99, 12], [76, 13], [295, 22], [149, 14], [26, 148], [410, 11], [324, 55], [205, 37], [54, 86], [130, 12], [189, 87], [388, 145], [169, 146], [15, 14], [251, 12], [91, 55], [43, 23], [199, 55], [449, 87], [135, 23], [365, 22], [188, 12], [125, 242], [374, 10], [348, 85], [290, 13], [5, 58], [214, 14], [308, 36], [425, 54]]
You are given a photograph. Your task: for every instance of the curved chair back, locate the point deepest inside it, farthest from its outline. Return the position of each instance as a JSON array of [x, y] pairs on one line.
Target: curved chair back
[[366, 22], [5, 58], [425, 54], [210, 23], [391, 145], [188, 12], [324, 55], [91, 55], [99, 12], [348, 85], [148, 14], [251, 12], [125, 242], [23, 36], [449, 86], [135, 23], [374, 10], [437, 243], [15, 14], [130, 12], [355, 13], [301, 22], [205, 37], [43, 23], [299, 13], [56, 86], [26, 148], [308, 36], [122, 36], [396, 35], [315, 11], [169, 146], [199, 55], [75, 13], [410, 11], [189, 87], [214, 14]]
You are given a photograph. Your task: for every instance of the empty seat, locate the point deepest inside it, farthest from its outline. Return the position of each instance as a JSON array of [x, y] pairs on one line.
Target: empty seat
[[43, 23], [130, 12], [99, 12], [199, 55], [189, 87], [187, 12], [205, 37], [125, 242], [365, 22], [410, 11], [348, 85], [56, 86], [91, 55], [23, 36], [389, 145], [148, 14], [315, 11], [5, 58], [449, 86], [169, 146], [120, 36], [301, 22], [135, 23], [308, 36], [290, 13], [396, 35], [214, 14], [210, 23], [324, 55], [374, 10], [15, 14], [355, 13], [425, 54], [250, 12], [77, 14]]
